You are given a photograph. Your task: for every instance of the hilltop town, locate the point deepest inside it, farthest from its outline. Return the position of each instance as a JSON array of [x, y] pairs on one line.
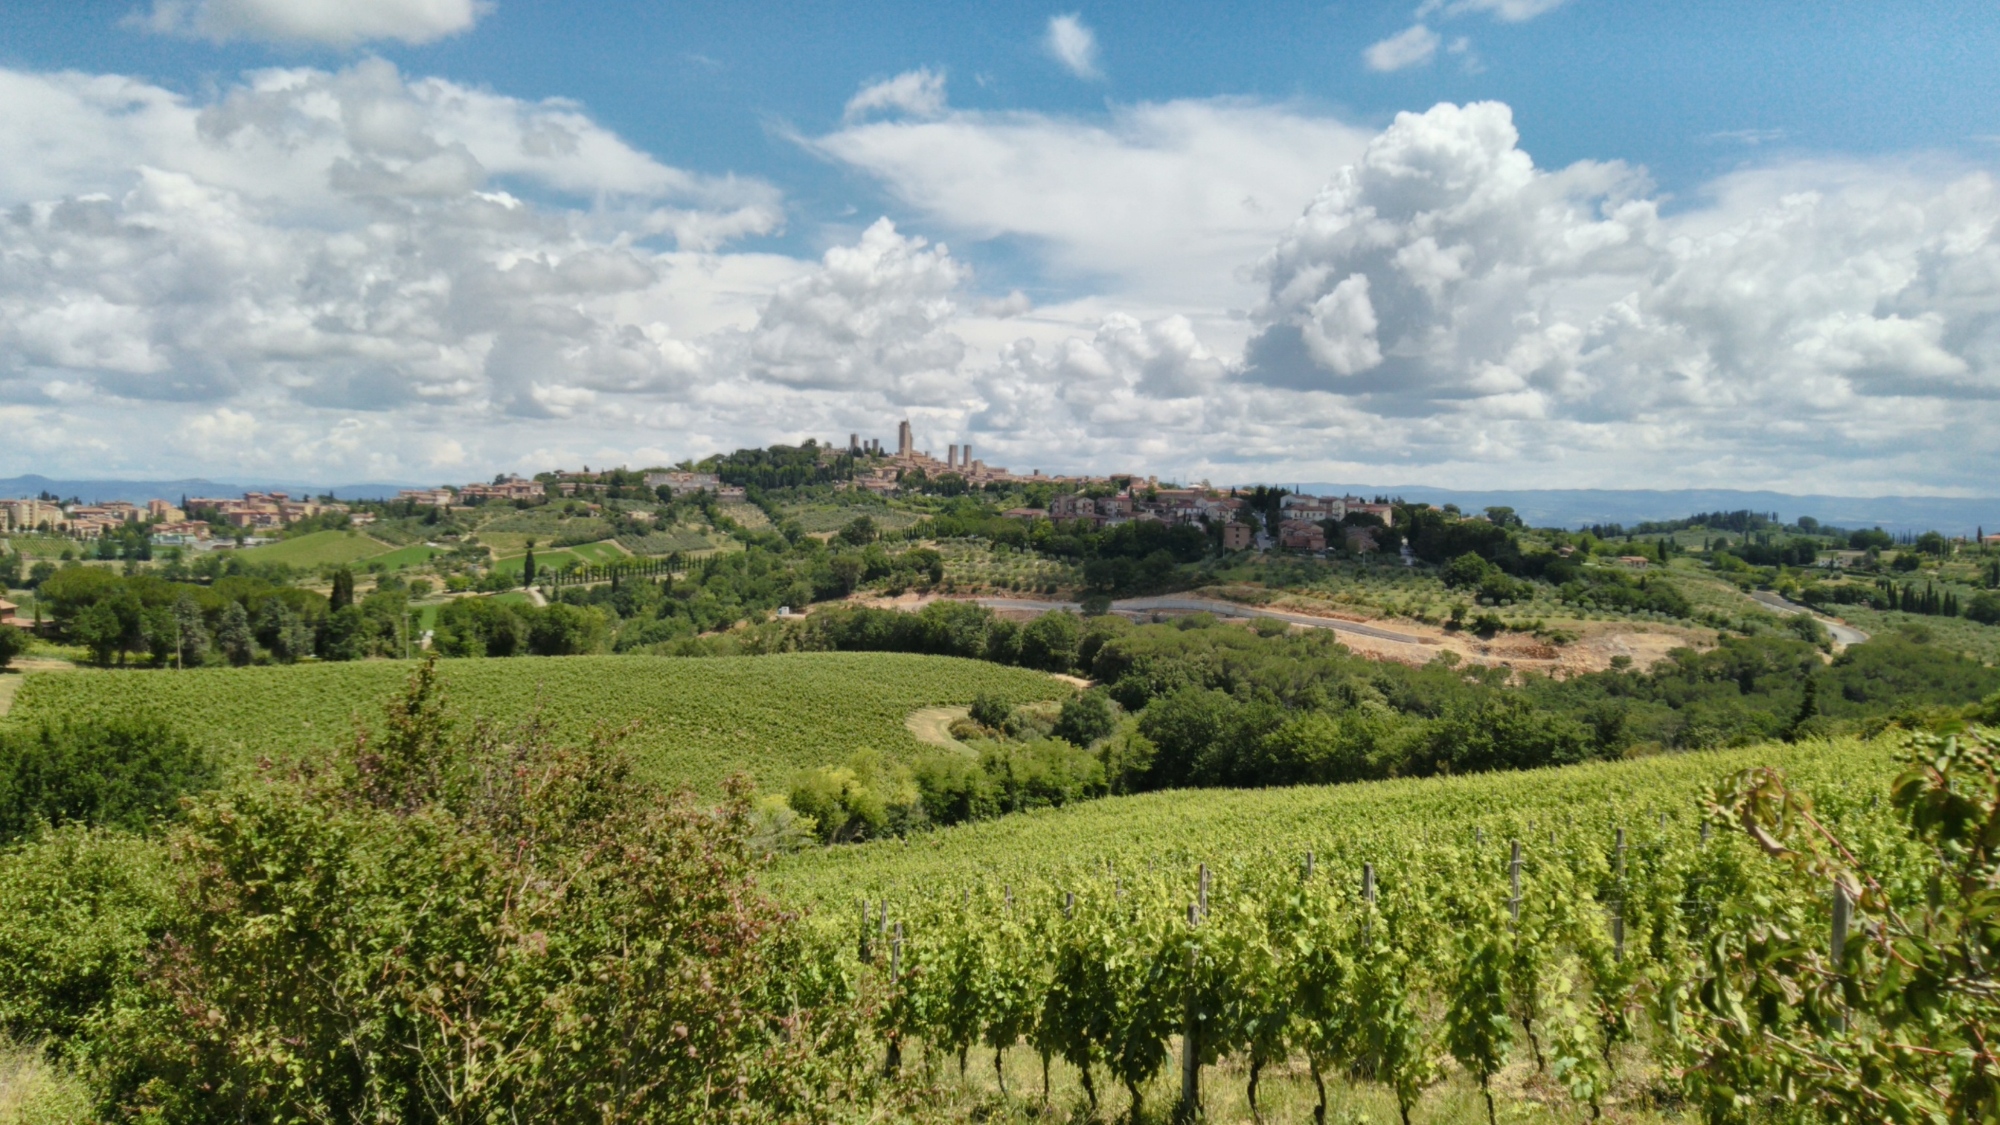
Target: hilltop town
[[1098, 501]]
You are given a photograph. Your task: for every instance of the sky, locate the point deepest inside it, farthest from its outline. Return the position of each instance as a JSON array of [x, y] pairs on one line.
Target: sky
[[1464, 243]]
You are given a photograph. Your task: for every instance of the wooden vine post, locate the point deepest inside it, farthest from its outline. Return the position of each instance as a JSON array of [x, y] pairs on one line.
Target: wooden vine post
[[1843, 907], [1514, 885], [1190, 1104]]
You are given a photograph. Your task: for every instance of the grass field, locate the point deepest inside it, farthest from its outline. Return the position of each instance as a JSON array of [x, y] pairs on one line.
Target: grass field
[[544, 561], [403, 557], [321, 548], [695, 721], [597, 554]]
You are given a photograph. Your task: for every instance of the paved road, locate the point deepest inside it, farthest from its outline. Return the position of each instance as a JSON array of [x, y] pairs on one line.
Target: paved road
[[1845, 634], [1209, 605]]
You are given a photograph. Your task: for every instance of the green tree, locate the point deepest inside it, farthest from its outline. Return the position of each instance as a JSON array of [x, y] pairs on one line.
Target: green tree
[[13, 642], [566, 630], [1049, 642], [1086, 718], [860, 532], [989, 710], [343, 590], [112, 627], [233, 635], [192, 639], [346, 635]]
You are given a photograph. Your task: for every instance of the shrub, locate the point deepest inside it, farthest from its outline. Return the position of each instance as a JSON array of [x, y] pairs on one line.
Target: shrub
[[78, 908], [990, 711], [123, 773], [14, 642], [1086, 718], [456, 923]]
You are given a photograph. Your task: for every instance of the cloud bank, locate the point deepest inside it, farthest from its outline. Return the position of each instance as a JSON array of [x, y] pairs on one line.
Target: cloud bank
[[355, 273], [330, 23]]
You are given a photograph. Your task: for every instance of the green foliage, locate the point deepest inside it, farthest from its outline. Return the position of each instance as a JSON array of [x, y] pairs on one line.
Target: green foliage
[[79, 907], [866, 798], [13, 642], [1007, 777], [516, 931], [989, 710], [123, 772], [1898, 1025], [1087, 718]]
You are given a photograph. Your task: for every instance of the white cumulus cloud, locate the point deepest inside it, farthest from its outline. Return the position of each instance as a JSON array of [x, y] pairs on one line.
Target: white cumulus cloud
[[919, 93], [1415, 45], [1796, 312], [1074, 45], [1171, 200], [874, 316], [332, 23]]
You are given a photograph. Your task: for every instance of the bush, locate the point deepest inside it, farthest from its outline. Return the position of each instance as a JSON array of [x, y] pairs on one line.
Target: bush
[[78, 907], [990, 710], [864, 799], [1049, 642], [461, 924], [121, 773], [1086, 718], [14, 642]]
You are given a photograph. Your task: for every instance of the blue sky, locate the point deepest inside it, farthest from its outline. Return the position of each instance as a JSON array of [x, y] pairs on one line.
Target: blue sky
[[1095, 261]]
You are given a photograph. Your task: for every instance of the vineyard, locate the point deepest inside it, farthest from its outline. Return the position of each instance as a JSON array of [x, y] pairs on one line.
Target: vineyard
[[321, 548], [1577, 929], [973, 564], [693, 721]]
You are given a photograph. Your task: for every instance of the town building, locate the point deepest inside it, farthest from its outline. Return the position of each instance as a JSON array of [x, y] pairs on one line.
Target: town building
[[1301, 535], [426, 497], [32, 515], [260, 509], [682, 483], [1238, 536], [507, 490]]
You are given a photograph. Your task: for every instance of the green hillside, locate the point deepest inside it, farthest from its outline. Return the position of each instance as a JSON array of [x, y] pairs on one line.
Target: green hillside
[[401, 557], [1264, 827], [321, 548], [695, 721]]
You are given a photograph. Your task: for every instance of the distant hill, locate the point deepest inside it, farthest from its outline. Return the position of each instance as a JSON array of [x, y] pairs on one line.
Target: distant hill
[[140, 491], [1580, 507]]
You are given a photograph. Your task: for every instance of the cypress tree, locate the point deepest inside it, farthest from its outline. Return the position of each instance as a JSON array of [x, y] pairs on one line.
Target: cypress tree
[[528, 566], [343, 590]]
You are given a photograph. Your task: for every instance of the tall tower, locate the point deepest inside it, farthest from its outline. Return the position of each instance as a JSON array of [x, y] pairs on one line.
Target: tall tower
[[905, 443]]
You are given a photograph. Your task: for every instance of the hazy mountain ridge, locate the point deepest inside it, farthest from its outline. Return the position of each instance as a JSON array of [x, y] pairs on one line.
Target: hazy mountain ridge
[[1579, 507], [140, 491]]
